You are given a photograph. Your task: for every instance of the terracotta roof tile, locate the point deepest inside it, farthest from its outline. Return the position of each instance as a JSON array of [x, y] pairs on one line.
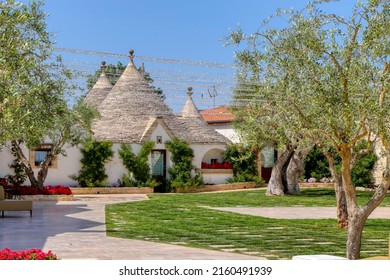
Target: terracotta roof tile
[[217, 115]]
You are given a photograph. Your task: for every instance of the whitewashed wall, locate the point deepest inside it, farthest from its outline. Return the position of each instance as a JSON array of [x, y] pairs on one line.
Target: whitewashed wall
[[70, 164], [204, 153], [216, 178], [67, 165], [115, 168], [200, 150], [5, 159], [227, 130]]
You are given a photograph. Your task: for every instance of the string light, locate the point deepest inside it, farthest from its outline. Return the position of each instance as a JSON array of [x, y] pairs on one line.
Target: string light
[[173, 76]]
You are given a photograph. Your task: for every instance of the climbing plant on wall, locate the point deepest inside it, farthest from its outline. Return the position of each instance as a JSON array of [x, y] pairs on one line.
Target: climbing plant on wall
[[95, 155], [137, 166], [181, 171]]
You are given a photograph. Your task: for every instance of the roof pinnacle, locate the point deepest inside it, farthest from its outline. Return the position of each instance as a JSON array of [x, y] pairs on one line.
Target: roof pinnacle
[[103, 67], [131, 55], [189, 92]]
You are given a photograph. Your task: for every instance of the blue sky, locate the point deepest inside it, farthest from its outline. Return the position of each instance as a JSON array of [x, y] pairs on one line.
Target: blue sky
[[173, 29]]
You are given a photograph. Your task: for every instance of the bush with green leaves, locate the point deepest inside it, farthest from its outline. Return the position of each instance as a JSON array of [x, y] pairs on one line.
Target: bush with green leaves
[[181, 171], [361, 171], [95, 155], [243, 159], [20, 175], [137, 166], [316, 166]]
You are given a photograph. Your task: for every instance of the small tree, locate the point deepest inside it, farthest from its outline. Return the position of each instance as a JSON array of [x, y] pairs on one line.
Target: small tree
[[71, 127], [34, 89], [181, 171], [93, 171]]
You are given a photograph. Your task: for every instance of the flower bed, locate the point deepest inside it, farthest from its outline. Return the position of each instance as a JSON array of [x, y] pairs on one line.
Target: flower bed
[[111, 190], [217, 165], [32, 254], [47, 190]]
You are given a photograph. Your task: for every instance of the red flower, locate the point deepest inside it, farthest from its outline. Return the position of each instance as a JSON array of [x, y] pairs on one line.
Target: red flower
[[32, 254]]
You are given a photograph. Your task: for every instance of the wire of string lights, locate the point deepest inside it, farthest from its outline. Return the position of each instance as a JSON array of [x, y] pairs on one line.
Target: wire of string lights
[[213, 82]]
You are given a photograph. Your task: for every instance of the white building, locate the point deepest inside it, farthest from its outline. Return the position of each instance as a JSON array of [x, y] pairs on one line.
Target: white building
[[221, 119], [131, 112]]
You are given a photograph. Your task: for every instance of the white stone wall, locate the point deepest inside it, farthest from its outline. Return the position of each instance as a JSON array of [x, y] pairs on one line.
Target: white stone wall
[[227, 130], [67, 165], [5, 160], [204, 153], [115, 168], [216, 178], [200, 150], [70, 164]]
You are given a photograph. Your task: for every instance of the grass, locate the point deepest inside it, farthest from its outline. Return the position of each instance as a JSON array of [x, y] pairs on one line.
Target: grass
[[179, 219]]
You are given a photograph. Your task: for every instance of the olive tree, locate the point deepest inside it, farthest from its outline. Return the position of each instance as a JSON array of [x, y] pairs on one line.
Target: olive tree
[[331, 75], [34, 88]]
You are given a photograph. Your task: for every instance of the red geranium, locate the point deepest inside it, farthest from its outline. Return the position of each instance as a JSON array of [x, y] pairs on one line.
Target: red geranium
[[47, 190], [32, 254]]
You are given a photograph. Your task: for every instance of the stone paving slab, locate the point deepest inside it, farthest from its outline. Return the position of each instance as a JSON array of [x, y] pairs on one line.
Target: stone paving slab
[[76, 230], [298, 212]]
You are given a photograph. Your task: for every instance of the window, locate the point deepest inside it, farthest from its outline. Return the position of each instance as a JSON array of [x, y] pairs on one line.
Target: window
[[39, 155], [214, 160], [267, 157]]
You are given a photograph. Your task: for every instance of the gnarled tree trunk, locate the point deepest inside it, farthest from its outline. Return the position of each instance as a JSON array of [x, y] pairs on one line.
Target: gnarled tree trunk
[[26, 164], [44, 169], [295, 168], [275, 184], [38, 181]]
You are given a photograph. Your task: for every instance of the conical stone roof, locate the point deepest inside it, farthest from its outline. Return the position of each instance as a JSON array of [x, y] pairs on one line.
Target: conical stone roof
[[100, 90], [189, 110], [196, 128], [132, 108]]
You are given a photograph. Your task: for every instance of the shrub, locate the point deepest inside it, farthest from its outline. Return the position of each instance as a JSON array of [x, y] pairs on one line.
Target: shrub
[[20, 175], [181, 171], [243, 159], [361, 172], [316, 166], [95, 155]]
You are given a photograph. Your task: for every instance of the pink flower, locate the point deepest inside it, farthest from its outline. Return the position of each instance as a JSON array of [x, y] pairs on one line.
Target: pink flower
[[32, 254]]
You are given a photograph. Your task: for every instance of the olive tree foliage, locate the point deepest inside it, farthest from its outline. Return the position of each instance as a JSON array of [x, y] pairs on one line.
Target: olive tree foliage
[[330, 75], [35, 88], [260, 125]]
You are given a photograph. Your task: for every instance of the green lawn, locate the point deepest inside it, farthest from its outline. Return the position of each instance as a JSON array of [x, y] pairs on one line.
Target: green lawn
[[179, 219]]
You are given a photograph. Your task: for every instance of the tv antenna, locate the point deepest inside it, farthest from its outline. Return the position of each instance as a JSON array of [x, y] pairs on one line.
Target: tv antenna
[[212, 93]]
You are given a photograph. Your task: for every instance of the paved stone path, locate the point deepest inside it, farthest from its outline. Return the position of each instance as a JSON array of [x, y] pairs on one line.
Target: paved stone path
[[76, 230], [298, 212]]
